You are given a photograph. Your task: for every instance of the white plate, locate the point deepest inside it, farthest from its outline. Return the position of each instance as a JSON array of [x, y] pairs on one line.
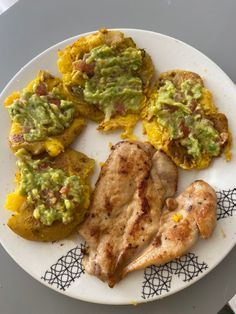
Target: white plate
[[58, 265]]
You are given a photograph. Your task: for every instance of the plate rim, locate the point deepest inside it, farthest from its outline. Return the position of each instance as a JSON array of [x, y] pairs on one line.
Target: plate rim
[[94, 300]]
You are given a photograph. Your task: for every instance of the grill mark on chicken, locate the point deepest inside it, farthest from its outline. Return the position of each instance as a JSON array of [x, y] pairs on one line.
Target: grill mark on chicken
[[157, 241], [123, 166], [142, 195], [126, 207], [109, 251], [108, 205], [94, 232], [144, 208], [197, 217]]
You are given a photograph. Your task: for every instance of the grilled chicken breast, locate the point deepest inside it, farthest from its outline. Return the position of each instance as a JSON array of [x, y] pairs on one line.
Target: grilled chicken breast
[[126, 208], [191, 214]]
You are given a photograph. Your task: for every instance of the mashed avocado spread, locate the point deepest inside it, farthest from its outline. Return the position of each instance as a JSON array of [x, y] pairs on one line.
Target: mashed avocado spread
[[111, 79], [179, 110], [51, 192], [41, 113]]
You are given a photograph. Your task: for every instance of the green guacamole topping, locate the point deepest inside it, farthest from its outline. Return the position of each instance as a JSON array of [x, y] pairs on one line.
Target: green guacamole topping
[[53, 194], [42, 114], [179, 110], [113, 83]]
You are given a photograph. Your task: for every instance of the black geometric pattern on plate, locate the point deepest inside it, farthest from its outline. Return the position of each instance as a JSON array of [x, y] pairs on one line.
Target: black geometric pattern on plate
[[157, 279], [68, 268], [226, 203]]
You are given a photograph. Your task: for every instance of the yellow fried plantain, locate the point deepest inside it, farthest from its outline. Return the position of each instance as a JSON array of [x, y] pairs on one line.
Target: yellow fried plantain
[[74, 79], [53, 144], [159, 135], [25, 225]]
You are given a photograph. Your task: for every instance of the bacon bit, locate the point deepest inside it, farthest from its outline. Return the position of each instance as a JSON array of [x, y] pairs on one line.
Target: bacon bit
[[183, 127], [193, 104], [44, 192], [17, 138], [187, 159], [178, 96], [119, 108], [43, 165], [26, 129], [54, 101], [169, 107], [41, 89], [57, 195], [190, 93], [82, 66], [198, 111], [64, 190]]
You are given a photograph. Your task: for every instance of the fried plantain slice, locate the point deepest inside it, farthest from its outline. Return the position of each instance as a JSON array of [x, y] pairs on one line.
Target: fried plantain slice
[[108, 77], [42, 117], [23, 221], [183, 121]]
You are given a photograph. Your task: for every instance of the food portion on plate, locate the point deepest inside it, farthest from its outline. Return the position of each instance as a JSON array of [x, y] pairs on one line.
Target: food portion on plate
[[127, 227], [108, 77], [52, 195], [132, 219], [43, 119], [182, 120], [183, 220], [126, 207]]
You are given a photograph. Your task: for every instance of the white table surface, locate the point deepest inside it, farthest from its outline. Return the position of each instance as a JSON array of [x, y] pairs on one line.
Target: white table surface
[[28, 28]]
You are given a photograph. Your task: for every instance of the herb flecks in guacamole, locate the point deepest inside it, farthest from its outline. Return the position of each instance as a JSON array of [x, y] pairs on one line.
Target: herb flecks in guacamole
[[179, 110], [42, 114], [111, 77], [52, 193]]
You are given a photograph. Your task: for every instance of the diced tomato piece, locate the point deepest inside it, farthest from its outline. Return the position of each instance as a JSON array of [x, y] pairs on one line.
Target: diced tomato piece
[[82, 66], [41, 89]]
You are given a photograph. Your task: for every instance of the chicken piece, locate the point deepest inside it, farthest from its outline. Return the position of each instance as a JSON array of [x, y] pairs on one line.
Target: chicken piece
[[126, 207], [194, 214]]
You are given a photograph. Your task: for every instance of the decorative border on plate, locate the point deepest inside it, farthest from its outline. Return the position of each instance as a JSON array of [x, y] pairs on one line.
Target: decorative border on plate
[[226, 203], [67, 269], [157, 279]]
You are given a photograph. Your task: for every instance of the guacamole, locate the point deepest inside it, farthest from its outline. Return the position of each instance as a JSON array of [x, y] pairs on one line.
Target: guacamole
[[112, 81], [42, 114], [179, 110], [52, 193]]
